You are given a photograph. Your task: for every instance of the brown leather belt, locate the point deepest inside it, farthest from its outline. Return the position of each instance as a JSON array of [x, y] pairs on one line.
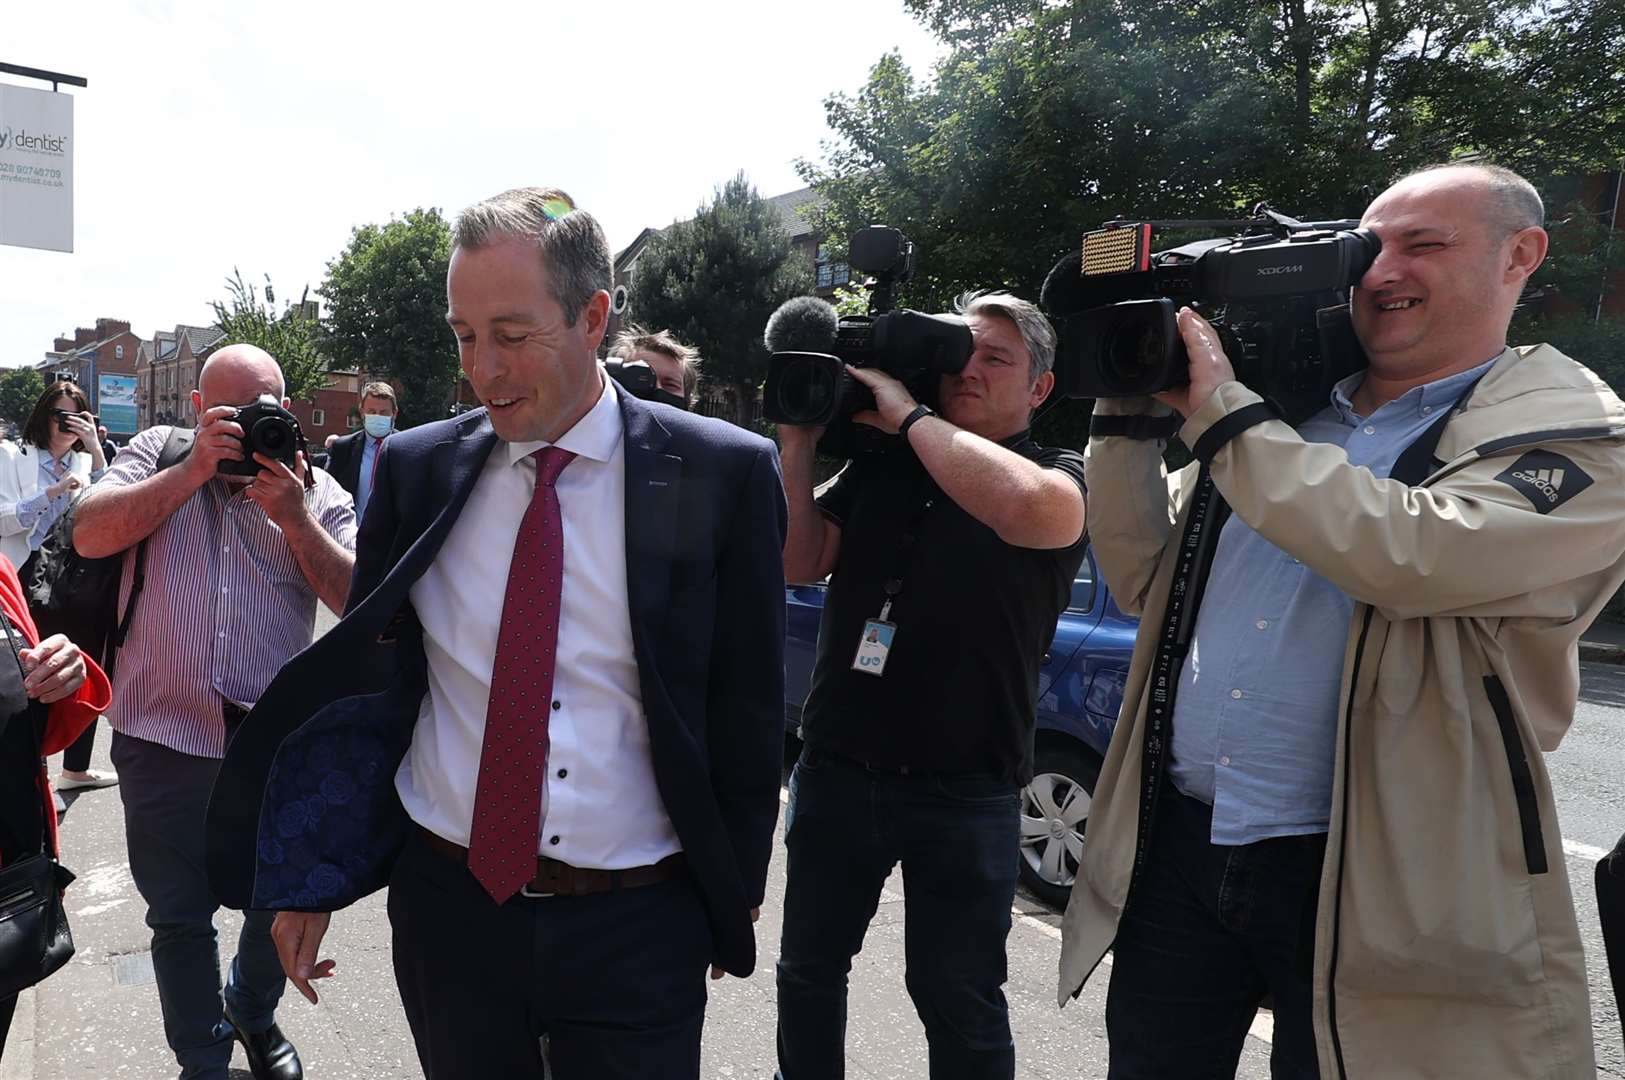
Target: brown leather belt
[[554, 878]]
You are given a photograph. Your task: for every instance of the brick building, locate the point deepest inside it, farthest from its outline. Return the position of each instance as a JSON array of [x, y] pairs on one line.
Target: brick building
[[107, 349], [170, 363]]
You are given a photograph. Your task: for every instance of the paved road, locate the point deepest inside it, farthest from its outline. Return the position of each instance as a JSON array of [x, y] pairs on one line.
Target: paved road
[[99, 1017]]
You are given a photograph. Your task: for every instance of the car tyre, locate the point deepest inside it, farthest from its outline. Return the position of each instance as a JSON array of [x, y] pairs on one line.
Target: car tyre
[[1054, 817]]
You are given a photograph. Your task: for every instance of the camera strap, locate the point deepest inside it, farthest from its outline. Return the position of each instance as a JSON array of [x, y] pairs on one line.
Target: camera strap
[[1197, 545]]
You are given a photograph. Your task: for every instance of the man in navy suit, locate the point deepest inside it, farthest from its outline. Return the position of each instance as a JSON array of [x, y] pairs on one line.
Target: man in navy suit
[[550, 719]]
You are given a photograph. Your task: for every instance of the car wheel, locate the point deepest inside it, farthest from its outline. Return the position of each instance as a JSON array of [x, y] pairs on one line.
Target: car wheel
[[1054, 816]]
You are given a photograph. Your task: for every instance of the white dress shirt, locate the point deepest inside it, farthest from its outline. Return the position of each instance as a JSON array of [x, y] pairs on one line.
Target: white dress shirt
[[600, 806]]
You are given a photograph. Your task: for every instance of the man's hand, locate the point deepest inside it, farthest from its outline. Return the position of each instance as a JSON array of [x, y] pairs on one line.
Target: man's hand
[[68, 483], [716, 972], [893, 402], [219, 438], [298, 937], [279, 490], [56, 669], [1209, 365]]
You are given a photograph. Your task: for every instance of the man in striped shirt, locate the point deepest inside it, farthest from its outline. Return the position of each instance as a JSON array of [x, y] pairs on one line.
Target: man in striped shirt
[[234, 567]]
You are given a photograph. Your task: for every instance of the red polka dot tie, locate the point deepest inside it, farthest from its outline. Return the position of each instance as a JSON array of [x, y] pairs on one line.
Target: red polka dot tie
[[508, 794]]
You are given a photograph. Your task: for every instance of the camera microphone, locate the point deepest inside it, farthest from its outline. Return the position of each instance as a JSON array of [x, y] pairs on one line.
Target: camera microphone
[[1064, 291], [802, 324]]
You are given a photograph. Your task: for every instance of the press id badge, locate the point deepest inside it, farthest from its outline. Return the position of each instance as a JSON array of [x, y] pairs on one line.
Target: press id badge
[[874, 646]]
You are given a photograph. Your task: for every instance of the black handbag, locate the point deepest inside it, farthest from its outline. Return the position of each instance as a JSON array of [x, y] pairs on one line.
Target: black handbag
[[34, 936]]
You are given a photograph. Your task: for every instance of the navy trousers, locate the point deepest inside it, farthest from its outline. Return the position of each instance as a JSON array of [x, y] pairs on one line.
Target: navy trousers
[[1209, 931], [846, 827], [608, 986]]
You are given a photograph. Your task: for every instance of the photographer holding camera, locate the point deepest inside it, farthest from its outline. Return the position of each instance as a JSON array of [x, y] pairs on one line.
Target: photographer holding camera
[[949, 561], [1354, 817], [234, 565]]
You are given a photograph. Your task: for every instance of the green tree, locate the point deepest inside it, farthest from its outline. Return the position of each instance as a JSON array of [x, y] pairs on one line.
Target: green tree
[[715, 279], [20, 388], [292, 336], [386, 310], [1046, 118]]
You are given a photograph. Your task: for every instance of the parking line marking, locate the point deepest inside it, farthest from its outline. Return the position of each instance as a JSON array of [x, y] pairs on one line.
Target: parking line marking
[[1583, 851]]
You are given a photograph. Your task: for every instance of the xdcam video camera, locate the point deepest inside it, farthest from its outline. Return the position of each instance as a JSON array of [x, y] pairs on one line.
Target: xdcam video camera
[[807, 381], [639, 379], [1277, 293]]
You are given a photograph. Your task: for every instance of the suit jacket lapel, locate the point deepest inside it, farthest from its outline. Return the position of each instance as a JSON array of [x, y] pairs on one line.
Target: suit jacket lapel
[[653, 488], [454, 467]]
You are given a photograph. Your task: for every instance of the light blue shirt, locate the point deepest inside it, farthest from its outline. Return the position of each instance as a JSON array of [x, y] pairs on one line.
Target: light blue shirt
[[1255, 718], [363, 486], [41, 511]]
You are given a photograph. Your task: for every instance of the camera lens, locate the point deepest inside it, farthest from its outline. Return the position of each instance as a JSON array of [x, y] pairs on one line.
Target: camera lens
[[271, 437], [806, 392], [1132, 359]]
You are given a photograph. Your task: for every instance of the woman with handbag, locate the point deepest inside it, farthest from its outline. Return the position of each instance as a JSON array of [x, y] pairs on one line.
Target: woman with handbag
[[55, 460], [50, 692]]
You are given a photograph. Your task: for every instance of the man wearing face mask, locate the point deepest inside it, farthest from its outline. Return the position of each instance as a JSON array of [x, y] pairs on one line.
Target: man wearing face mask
[[353, 459], [233, 568]]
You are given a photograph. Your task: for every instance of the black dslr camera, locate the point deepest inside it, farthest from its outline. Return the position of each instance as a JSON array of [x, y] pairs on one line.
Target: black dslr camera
[[268, 429], [807, 381], [62, 420], [1277, 293], [640, 380]]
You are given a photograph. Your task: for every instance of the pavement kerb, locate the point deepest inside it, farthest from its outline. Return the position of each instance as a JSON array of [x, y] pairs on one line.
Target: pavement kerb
[[18, 1061], [1589, 650]]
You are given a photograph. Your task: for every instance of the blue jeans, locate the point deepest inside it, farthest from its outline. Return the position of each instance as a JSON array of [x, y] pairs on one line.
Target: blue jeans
[[845, 828], [165, 795], [1208, 931]]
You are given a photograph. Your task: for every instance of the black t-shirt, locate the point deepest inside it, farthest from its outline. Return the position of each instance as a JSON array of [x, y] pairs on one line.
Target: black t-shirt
[[973, 619]]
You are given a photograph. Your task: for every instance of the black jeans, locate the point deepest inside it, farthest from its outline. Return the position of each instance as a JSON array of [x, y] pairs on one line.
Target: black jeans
[[614, 982], [1610, 878], [845, 828], [1209, 930]]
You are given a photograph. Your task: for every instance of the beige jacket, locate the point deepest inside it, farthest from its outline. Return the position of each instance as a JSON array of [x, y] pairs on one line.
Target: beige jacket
[[1446, 943]]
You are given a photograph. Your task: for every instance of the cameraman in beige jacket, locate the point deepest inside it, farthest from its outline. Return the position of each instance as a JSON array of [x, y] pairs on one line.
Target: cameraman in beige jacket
[[1441, 940]]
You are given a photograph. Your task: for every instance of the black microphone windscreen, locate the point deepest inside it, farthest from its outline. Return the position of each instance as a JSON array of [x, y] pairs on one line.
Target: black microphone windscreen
[[802, 324], [1064, 292]]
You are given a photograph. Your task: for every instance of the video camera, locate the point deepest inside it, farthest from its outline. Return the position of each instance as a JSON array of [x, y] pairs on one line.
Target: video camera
[[807, 381], [639, 379], [1276, 292]]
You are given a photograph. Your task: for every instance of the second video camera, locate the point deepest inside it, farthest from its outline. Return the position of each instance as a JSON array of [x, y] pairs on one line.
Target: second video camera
[[1277, 294], [807, 381]]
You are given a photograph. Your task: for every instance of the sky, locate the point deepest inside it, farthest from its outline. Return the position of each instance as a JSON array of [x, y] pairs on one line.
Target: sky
[[217, 135]]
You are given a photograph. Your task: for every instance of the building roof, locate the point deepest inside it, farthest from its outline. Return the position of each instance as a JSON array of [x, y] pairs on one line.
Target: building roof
[[630, 252], [200, 337], [791, 205]]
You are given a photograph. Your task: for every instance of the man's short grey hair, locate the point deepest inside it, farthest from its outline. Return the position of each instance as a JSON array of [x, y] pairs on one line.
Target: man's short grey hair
[[572, 243], [1036, 332], [1514, 204]]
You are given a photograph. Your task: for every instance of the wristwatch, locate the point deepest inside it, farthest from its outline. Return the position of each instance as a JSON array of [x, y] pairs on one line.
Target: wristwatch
[[908, 421]]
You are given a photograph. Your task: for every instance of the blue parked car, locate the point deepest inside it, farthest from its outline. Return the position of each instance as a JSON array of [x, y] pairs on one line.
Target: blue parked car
[[1079, 690]]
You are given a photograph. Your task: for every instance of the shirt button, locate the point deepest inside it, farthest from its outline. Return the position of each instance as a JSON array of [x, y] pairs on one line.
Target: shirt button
[[1236, 694], [557, 706], [563, 773], [1369, 430], [1225, 760], [1262, 624], [222, 633], [552, 840], [223, 588]]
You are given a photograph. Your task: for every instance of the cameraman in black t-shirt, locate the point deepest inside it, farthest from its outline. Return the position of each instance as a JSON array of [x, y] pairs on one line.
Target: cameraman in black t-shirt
[[949, 562]]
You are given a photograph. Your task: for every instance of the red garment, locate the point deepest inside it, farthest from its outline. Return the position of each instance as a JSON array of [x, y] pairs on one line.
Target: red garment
[[69, 717]]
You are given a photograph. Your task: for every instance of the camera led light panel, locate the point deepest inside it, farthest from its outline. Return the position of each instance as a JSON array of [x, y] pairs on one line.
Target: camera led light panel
[[1122, 250]]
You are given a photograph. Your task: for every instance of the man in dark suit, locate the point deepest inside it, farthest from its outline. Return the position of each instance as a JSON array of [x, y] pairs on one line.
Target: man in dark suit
[[353, 458], [564, 761]]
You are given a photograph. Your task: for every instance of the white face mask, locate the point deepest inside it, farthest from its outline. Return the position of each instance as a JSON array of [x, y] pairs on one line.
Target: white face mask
[[378, 426]]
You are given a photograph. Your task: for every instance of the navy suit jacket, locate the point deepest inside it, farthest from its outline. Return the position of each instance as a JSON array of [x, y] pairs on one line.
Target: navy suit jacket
[[304, 815], [344, 461]]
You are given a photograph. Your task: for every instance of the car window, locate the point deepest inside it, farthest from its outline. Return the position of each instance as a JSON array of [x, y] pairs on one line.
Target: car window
[[1083, 587]]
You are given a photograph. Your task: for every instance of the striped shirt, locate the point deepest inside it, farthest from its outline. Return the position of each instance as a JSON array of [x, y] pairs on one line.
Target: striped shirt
[[224, 606]]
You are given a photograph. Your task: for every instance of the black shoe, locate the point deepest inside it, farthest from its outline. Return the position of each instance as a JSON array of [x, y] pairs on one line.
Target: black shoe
[[270, 1055]]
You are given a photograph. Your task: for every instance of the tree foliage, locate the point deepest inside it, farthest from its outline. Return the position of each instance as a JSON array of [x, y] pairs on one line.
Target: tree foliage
[[1047, 118], [715, 279], [293, 336], [386, 310], [20, 389]]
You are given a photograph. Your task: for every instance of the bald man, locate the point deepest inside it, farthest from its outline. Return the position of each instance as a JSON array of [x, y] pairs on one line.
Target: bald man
[[1353, 816], [234, 566]]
